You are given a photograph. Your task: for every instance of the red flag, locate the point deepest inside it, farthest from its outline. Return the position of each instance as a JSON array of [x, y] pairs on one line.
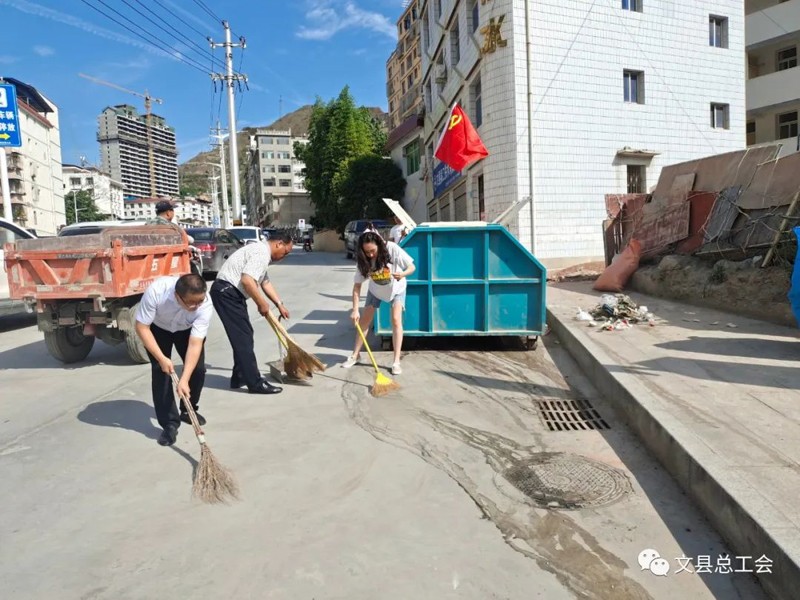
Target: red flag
[[459, 145]]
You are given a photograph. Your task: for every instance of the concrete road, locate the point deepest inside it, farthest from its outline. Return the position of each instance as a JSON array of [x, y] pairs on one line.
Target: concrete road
[[428, 493]]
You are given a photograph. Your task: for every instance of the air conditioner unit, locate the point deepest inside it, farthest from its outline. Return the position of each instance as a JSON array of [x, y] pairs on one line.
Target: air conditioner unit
[[440, 73]]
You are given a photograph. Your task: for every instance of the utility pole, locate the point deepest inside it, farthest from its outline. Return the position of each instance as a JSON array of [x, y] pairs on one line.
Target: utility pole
[[230, 78], [226, 209]]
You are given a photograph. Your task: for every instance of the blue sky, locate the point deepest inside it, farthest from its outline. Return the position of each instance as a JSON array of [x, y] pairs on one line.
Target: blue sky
[[297, 49]]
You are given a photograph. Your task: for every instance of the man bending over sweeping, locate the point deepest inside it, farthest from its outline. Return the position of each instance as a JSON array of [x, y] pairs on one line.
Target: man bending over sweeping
[[175, 311], [242, 276]]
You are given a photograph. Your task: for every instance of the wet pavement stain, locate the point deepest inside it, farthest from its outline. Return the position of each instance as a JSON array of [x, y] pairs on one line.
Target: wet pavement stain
[[451, 436]]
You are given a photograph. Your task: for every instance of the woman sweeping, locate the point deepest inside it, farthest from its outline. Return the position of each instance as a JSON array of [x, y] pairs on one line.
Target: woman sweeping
[[386, 265]]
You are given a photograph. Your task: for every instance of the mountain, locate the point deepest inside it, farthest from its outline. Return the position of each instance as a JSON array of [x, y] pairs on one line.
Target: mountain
[[193, 173]]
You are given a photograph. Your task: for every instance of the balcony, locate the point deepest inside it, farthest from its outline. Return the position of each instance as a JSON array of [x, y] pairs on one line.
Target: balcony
[[774, 89], [764, 26]]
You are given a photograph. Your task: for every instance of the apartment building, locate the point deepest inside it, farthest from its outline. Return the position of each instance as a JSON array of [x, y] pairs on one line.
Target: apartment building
[[189, 212], [125, 149], [107, 193], [274, 185], [576, 100], [403, 69], [772, 34], [34, 169]]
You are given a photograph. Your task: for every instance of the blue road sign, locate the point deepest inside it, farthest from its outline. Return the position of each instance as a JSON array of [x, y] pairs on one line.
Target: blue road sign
[[9, 117]]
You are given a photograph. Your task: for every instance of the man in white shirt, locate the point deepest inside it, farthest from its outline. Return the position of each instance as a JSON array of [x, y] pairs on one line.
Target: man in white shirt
[[175, 311], [398, 232], [242, 276]]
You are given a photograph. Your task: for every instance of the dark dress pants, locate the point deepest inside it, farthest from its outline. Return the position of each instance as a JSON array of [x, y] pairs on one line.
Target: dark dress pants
[[231, 306], [163, 393]]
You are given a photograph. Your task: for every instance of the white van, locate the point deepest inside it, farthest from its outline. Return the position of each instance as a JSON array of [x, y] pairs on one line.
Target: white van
[[9, 232]]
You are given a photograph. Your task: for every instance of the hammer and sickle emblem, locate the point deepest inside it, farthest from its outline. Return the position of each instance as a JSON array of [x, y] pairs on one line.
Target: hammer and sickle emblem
[[455, 120]]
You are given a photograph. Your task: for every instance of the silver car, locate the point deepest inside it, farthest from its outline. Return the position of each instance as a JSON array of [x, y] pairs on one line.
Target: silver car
[[215, 246]]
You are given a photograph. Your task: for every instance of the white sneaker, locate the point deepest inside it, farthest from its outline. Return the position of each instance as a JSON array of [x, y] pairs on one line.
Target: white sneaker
[[397, 369], [352, 360]]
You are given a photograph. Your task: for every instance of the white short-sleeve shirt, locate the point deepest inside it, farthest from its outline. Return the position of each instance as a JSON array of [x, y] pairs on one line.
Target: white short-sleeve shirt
[[253, 260], [160, 307], [382, 284]]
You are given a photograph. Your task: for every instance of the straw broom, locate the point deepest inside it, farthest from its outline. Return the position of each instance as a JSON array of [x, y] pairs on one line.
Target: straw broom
[[383, 384], [298, 363], [213, 483]]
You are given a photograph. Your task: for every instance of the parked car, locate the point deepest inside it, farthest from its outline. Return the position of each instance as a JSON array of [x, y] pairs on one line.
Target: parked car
[[90, 227], [354, 229], [269, 232], [215, 246], [249, 235], [10, 232]]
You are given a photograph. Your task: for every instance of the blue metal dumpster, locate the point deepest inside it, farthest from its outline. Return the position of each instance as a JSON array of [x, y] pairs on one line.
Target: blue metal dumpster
[[475, 279]]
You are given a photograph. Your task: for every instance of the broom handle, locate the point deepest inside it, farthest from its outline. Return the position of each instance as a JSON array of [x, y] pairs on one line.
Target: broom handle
[[366, 345], [281, 338], [198, 431], [277, 323]]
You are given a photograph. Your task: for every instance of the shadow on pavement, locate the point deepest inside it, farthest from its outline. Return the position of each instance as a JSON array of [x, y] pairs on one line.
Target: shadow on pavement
[[334, 297], [35, 356], [133, 415], [748, 347]]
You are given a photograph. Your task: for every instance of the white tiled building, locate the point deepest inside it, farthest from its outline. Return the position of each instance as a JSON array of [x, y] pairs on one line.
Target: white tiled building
[[34, 169], [107, 193], [189, 212], [615, 90], [772, 30]]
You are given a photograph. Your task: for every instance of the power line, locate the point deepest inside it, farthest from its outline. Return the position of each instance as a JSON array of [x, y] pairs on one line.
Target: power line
[[158, 44], [172, 12], [210, 12], [198, 49]]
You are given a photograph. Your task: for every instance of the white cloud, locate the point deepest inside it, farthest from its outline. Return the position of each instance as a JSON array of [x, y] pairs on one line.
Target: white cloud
[[67, 19], [43, 50], [5, 59], [329, 17]]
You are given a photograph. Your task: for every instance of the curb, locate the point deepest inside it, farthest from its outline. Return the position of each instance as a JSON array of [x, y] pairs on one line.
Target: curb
[[725, 501]]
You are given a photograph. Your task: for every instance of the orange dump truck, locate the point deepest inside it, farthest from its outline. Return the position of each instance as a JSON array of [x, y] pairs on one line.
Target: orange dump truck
[[89, 286]]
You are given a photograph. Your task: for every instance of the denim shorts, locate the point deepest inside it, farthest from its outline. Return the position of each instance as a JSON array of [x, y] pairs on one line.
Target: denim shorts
[[375, 302]]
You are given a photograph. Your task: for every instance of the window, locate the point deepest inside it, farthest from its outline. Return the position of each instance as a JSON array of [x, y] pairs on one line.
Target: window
[[285, 169], [719, 116], [268, 155], [474, 13], [787, 125], [411, 155], [787, 58], [283, 155], [269, 169], [265, 141], [426, 34], [477, 102], [718, 31], [634, 86], [455, 49], [751, 133], [637, 179], [634, 5], [284, 141], [437, 9], [269, 182], [90, 181], [75, 181], [286, 182], [481, 200]]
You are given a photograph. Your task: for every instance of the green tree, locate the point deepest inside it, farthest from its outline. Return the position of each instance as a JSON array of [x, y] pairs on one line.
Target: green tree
[[87, 209], [369, 179], [339, 133]]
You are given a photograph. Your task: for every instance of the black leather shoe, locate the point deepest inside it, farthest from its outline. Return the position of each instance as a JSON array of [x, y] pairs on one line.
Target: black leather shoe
[[168, 436], [200, 418], [265, 387]]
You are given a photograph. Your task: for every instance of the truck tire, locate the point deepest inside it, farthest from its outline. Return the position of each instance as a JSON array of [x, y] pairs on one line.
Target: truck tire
[[136, 349], [68, 344]]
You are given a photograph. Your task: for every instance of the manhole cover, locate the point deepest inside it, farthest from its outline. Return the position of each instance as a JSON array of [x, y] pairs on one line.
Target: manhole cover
[[570, 415], [567, 481]]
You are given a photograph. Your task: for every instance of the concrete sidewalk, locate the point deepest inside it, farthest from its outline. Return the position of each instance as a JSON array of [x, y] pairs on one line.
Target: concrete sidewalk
[[716, 398]]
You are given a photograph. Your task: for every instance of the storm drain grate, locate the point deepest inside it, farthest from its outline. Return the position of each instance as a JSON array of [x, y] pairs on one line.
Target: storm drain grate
[[570, 415]]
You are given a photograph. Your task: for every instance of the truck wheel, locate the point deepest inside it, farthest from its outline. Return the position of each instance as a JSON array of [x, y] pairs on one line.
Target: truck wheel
[[136, 349], [68, 344]]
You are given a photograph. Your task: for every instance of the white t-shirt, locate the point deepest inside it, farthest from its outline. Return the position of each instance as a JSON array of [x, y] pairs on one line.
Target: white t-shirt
[[161, 308], [396, 234], [382, 284], [252, 259]]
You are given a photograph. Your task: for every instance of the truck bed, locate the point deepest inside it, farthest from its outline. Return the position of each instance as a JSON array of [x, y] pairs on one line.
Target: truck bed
[[115, 263]]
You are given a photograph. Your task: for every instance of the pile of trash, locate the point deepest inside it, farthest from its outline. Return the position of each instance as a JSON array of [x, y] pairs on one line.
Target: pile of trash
[[615, 312]]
